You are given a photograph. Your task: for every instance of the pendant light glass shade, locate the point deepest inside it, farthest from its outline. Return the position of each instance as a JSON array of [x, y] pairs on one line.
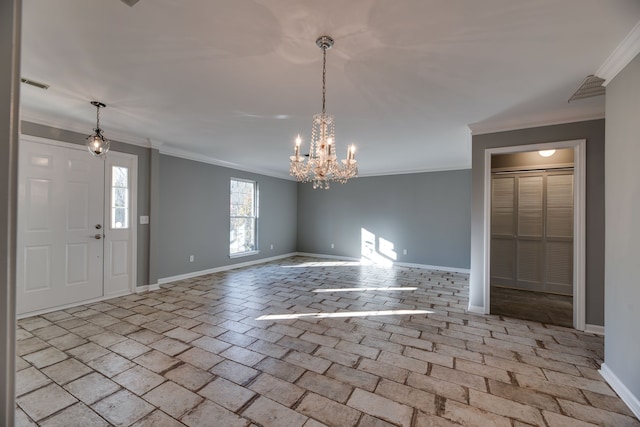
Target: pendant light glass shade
[[96, 143]]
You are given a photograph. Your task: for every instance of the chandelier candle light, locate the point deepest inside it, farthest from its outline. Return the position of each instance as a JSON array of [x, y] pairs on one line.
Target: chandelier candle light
[[97, 144], [322, 165]]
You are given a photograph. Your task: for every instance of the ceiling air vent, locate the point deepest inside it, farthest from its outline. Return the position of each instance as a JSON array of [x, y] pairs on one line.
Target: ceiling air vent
[[35, 83], [590, 86]]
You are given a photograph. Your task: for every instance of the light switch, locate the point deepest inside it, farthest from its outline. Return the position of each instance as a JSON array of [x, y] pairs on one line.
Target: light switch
[[144, 219]]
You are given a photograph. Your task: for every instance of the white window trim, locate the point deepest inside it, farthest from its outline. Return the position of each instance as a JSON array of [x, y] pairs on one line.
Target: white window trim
[[256, 216]]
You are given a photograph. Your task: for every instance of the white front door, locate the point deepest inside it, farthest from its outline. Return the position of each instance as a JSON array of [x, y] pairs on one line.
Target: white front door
[[74, 244], [60, 220]]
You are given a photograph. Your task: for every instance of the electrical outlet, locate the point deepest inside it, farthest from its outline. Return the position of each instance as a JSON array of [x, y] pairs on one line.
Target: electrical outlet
[[404, 252], [332, 246], [144, 219], [271, 246], [191, 258]]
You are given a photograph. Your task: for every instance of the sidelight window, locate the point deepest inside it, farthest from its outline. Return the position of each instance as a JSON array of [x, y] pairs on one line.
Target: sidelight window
[[119, 197]]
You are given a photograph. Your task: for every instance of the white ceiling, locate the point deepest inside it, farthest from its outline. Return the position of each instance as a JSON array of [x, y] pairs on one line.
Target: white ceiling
[[236, 80]]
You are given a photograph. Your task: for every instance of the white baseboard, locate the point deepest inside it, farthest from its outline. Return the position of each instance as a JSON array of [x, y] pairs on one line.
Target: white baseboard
[[433, 267], [147, 288], [594, 329], [618, 386], [192, 274], [75, 304], [170, 279], [399, 264], [477, 309], [325, 256]]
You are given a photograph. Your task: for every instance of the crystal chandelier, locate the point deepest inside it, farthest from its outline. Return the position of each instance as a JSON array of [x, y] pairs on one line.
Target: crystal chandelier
[[322, 165], [97, 144]]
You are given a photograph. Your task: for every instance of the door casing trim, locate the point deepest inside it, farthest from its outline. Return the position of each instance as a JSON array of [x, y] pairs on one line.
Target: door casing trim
[[579, 221], [134, 220]]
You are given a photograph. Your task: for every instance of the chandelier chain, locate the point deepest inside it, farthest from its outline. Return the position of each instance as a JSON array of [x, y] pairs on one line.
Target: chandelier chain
[[324, 78]]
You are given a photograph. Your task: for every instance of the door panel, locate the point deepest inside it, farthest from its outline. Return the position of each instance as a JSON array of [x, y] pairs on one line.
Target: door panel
[[530, 206], [502, 261], [503, 216], [36, 279], [60, 200], [560, 233], [529, 265]]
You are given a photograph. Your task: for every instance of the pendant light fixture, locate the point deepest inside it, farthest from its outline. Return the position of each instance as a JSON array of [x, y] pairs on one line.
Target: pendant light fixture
[[322, 165], [97, 144]]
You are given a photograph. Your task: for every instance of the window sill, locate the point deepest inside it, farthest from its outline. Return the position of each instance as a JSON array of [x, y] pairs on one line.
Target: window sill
[[243, 254]]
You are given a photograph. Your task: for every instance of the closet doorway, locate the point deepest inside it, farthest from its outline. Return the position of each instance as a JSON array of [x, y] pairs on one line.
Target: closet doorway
[[532, 242]]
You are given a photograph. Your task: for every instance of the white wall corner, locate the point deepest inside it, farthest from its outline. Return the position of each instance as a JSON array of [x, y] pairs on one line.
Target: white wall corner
[[594, 329], [628, 49], [618, 386]]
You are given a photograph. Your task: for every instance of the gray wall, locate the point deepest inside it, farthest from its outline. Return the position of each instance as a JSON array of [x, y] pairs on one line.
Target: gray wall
[[425, 213], [10, 16], [622, 287], [194, 216], [143, 154], [593, 131]]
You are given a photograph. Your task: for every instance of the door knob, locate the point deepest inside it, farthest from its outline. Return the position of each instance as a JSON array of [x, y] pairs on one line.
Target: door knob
[[98, 236]]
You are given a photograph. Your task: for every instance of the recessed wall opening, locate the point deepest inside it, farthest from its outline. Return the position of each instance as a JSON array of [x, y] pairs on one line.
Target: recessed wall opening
[[532, 208]]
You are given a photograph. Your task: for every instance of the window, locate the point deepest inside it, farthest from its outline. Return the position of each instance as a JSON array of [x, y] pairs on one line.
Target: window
[[119, 197], [243, 217]]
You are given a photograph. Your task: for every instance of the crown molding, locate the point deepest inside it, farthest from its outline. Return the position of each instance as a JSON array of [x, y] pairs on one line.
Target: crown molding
[[388, 172], [148, 143], [29, 116], [481, 128], [190, 155], [628, 49], [155, 144]]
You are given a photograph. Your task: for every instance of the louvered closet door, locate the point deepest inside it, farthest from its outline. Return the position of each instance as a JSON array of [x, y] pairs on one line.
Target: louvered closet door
[[503, 232], [559, 233], [530, 236], [532, 231]]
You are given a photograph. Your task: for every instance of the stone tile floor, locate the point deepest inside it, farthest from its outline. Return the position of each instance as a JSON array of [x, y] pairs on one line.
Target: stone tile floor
[[537, 306], [307, 342]]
